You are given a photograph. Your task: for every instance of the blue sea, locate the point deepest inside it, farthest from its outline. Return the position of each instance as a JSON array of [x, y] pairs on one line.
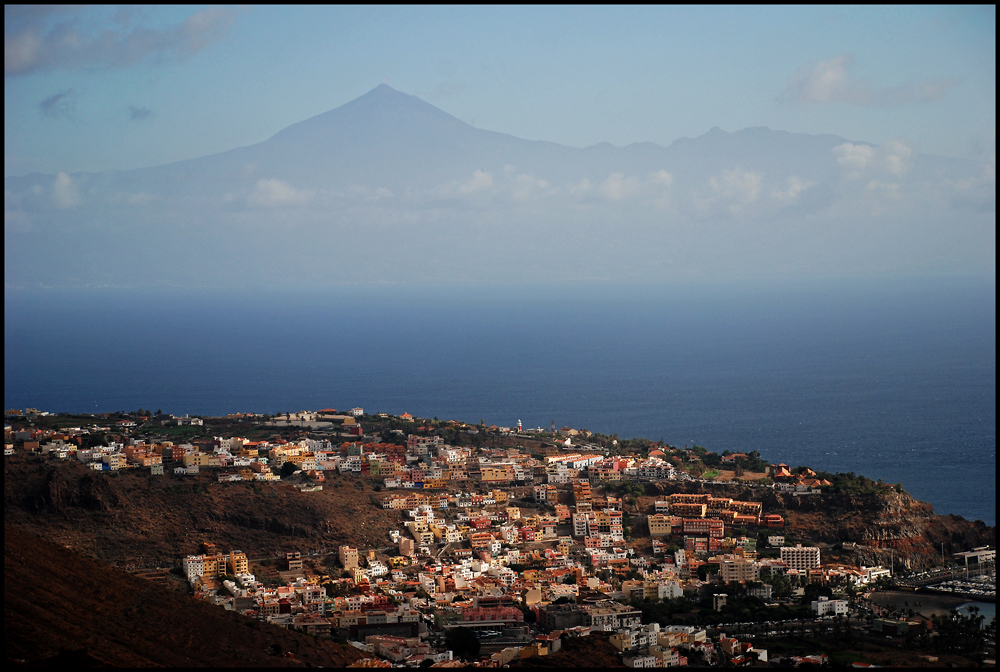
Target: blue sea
[[890, 378]]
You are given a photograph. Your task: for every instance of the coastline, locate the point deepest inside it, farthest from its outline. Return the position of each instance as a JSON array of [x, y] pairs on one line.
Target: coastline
[[927, 604]]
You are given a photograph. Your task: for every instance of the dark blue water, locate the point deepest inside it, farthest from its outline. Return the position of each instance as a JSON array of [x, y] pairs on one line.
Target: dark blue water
[[894, 379]]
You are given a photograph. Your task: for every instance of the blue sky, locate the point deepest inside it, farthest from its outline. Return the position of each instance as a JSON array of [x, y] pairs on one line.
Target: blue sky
[[104, 88]]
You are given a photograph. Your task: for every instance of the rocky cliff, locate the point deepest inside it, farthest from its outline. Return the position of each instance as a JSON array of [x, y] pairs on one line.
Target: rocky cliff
[[882, 524]]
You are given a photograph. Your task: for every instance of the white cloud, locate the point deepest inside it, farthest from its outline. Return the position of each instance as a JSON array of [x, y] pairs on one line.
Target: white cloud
[[830, 82], [854, 158], [888, 189], [65, 193], [654, 188], [661, 181], [364, 194], [273, 193], [662, 178], [894, 157], [617, 187], [524, 186], [480, 180], [793, 187], [53, 38], [739, 186]]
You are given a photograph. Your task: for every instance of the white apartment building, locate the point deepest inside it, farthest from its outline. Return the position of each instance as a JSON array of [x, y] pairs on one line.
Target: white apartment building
[[193, 566], [825, 606]]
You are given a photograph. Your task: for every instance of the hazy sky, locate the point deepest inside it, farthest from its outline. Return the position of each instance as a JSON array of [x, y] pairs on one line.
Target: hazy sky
[[92, 89]]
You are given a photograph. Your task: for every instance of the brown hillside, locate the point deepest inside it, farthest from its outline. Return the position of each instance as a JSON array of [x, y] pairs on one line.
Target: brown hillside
[[61, 607], [592, 651], [132, 519]]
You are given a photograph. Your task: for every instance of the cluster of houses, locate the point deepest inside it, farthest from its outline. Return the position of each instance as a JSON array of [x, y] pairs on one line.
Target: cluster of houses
[[467, 554]]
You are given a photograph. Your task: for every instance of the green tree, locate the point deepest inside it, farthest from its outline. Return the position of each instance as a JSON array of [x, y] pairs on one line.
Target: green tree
[[287, 469]]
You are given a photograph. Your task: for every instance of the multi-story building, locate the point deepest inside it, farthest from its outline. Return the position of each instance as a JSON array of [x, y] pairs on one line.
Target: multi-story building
[[114, 461], [689, 510], [687, 498], [800, 557], [348, 557], [238, 563], [193, 566], [659, 523], [579, 524], [213, 564], [825, 606], [710, 527], [734, 568], [609, 616]]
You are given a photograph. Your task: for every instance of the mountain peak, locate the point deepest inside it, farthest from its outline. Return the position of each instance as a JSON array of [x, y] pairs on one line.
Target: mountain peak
[[383, 110], [383, 91]]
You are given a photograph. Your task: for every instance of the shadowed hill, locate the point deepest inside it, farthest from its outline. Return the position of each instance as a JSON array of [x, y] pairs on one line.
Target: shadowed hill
[[61, 607], [132, 520]]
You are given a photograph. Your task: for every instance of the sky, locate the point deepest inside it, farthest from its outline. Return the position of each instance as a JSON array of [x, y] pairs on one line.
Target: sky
[[114, 88]]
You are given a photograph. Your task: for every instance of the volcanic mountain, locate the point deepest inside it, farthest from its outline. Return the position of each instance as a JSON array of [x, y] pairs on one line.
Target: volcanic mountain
[[430, 187]]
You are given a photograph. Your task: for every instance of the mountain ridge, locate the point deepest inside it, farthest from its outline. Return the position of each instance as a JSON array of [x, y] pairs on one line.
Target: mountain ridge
[[429, 186], [389, 103]]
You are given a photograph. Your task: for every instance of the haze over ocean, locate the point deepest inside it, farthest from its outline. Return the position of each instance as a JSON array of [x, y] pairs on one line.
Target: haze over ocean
[[893, 379]]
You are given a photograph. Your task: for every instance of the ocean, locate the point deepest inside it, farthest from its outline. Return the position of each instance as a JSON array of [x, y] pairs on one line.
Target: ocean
[[890, 378]]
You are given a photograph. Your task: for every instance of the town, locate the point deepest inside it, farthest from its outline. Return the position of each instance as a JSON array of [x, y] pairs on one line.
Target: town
[[514, 543]]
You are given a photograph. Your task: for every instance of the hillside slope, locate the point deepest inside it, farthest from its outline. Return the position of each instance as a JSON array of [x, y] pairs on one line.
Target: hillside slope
[[134, 520], [61, 607]]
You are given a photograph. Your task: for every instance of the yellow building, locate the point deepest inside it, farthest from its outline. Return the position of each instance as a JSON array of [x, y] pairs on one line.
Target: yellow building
[[211, 564], [200, 459], [659, 524], [238, 562]]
